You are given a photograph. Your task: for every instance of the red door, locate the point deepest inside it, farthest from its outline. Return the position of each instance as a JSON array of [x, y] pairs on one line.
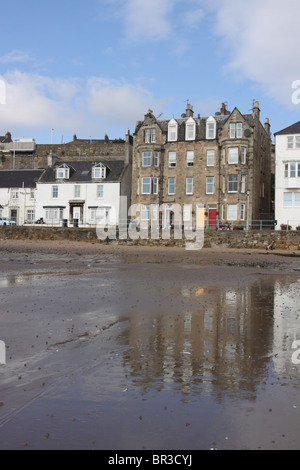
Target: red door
[[212, 217]]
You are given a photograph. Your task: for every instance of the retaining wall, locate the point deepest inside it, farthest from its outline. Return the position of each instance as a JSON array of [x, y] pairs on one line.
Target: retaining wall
[[213, 238]]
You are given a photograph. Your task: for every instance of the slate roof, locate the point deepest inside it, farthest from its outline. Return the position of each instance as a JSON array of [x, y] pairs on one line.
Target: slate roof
[[293, 129], [19, 178], [82, 171]]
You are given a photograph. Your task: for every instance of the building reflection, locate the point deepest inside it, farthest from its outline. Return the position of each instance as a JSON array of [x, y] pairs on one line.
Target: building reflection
[[221, 347]]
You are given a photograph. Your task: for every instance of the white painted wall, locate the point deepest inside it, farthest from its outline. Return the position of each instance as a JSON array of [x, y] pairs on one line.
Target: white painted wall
[[22, 203], [88, 194], [283, 155]]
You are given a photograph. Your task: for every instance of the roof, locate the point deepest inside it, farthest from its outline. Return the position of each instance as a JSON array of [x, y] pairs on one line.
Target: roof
[[82, 171], [293, 129], [200, 124], [19, 178]]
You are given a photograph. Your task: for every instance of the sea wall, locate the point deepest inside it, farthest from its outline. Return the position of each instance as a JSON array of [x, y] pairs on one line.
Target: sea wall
[[213, 238]]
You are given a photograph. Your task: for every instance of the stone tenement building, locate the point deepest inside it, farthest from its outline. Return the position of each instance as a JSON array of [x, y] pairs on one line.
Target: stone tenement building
[[222, 162], [26, 154]]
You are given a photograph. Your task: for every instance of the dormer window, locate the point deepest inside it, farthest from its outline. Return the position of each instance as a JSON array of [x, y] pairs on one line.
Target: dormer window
[[63, 172], [211, 128], [172, 131], [190, 129], [99, 171]]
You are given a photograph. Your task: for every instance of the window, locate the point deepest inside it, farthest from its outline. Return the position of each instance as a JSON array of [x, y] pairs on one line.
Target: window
[[236, 130], [243, 155], [190, 158], [30, 216], [233, 155], [209, 185], [172, 159], [293, 142], [297, 199], [100, 191], [292, 170], [150, 135], [77, 190], [190, 129], [287, 199], [14, 193], [210, 157], [242, 211], [211, 128], [156, 159], [99, 171], [145, 212], [171, 186], [243, 183], [54, 214], [146, 185], [232, 183], [172, 130], [146, 159], [189, 185], [232, 212], [32, 193], [62, 172], [55, 192], [155, 185]]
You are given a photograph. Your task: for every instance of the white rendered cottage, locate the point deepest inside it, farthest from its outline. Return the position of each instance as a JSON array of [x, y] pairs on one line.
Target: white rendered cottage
[[17, 195], [287, 176], [82, 193]]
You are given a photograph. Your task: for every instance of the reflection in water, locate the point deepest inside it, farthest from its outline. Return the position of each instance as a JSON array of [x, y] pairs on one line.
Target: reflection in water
[[224, 346]]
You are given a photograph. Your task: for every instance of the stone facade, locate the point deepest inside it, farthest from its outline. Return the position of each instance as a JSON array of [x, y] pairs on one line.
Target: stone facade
[[45, 155], [222, 162]]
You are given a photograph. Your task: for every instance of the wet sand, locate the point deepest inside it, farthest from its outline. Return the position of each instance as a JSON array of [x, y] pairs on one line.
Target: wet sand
[[130, 347]]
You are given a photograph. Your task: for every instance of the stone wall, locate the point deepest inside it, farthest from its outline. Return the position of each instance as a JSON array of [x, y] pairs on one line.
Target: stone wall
[[226, 239]]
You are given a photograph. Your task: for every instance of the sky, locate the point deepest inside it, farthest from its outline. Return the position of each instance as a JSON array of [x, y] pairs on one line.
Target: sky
[[96, 67]]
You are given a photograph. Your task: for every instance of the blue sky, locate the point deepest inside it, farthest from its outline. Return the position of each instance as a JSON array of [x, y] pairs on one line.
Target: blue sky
[[96, 67]]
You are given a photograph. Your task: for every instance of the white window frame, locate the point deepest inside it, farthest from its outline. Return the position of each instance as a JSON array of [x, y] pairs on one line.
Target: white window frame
[[77, 190], [210, 157], [100, 191], [146, 185], [243, 155], [171, 184], [54, 192], [232, 211], [190, 129], [150, 135], [190, 158], [172, 159], [211, 128], [172, 131], [288, 199], [297, 199], [233, 155], [210, 183], [243, 183], [155, 185], [189, 186], [14, 193], [242, 211], [146, 159], [233, 182], [99, 171], [156, 159]]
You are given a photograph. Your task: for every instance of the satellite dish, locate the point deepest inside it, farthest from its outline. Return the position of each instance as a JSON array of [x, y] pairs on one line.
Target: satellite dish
[[247, 133]]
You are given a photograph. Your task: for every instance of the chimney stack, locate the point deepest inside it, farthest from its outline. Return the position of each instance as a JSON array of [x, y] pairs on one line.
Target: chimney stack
[[223, 109], [267, 126], [256, 110], [189, 111]]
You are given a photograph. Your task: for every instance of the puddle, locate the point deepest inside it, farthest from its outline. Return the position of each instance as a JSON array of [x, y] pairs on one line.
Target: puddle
[[156, 358]]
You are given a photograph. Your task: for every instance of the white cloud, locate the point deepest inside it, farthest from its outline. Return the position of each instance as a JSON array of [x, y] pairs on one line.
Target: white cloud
[[261, 39], [97, 105], [118, 103], [15, 56]]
